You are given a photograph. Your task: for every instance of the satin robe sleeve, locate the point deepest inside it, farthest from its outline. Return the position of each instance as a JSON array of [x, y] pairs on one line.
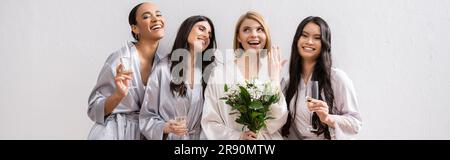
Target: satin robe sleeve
[[347, 118], [214, 119], [151, 123], [103, 89], [284, 80], [279, 112], [284, 83]]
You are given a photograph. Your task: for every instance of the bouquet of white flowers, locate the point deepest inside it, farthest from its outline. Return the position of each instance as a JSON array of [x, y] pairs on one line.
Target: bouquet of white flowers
[[252, 100]]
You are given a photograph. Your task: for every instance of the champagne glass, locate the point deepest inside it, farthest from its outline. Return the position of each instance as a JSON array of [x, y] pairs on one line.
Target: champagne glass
[[125, 59], [312, 93], [127, 63], [181, 115]]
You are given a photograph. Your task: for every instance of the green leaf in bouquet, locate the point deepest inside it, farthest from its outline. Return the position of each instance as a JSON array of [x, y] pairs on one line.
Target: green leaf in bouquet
[[255, 115], [253, 112], [265, 108], [234, 113], [234, 106], [244, 95], [267, 118], [244, 108], [239, 100], [255, 127], [260, 119], [273, 99], [242, 120], [256, 105], [229, 103], [262, 126], [226, 88]]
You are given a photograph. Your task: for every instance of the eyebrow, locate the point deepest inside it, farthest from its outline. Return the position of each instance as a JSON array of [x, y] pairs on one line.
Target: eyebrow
[[308, 33], [203, 26], [258, 26], [146, 13], [157, 12]]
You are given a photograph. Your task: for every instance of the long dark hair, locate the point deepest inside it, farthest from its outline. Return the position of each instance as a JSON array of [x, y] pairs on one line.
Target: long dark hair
[[181, 42], [321, 73], [132, 19]]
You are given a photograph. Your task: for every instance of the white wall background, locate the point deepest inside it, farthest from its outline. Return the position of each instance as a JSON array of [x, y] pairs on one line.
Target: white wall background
[[396, 53]]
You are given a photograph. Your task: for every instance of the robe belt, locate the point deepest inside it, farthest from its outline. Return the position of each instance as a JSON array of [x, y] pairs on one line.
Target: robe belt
[[123, 120]]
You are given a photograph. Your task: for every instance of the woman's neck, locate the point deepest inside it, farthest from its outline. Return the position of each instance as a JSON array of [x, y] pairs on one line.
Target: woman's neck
[[249, 65], [308, 69], [147, 48]]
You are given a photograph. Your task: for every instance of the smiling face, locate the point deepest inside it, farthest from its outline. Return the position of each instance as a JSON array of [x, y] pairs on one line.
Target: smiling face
[[150, 22], [200, 35], [310, 44], [251, 35]]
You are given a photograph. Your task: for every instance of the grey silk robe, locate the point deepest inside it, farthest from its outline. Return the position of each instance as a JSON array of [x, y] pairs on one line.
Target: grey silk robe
[[122, 123], [160, 105]]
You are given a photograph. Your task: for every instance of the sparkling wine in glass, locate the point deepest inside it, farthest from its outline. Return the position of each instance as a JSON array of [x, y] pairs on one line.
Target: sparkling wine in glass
[[127, 65], [181, 115], [126, 60], [312, 93]]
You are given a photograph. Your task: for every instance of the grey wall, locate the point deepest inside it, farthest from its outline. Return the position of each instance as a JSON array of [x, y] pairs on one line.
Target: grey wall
[[395, 52]]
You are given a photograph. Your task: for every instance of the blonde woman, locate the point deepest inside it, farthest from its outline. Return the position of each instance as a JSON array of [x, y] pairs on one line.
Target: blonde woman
[[254, 55]]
